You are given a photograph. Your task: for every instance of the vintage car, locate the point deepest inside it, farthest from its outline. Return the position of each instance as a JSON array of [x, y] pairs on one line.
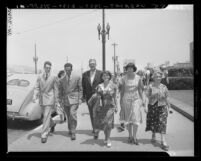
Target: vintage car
[[19, 98]]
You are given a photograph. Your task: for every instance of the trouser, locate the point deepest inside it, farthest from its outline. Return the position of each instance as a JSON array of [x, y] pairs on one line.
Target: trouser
[[71, 112], [91, 115], [47, 120]]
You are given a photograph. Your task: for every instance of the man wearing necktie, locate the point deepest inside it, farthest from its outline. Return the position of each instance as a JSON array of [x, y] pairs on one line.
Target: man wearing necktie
[[46, 90], [70, 94], [90, 80]]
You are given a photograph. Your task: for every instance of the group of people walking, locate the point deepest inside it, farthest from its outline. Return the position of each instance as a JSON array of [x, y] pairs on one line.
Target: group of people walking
[[97, 89]]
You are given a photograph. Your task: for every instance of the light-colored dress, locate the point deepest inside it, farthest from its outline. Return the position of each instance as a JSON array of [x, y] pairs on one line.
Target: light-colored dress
[[131, 102]]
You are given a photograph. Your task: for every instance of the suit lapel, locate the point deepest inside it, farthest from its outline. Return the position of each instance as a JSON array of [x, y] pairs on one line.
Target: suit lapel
[[88, 77], [96, 77], [45, 83]]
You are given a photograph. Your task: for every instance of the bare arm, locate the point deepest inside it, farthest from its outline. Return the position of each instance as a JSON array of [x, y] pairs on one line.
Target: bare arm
[[140, 89]]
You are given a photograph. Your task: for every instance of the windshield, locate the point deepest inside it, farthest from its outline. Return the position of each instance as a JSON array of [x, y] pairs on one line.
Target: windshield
[[17, 82]]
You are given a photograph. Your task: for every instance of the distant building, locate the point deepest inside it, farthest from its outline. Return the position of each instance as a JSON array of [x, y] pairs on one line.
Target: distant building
[[188, 64], [191, 54], [183, 65]]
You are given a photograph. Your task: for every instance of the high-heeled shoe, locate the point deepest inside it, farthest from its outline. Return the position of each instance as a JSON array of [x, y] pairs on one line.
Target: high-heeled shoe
[[164, 146], [135, 141], [130, 140]]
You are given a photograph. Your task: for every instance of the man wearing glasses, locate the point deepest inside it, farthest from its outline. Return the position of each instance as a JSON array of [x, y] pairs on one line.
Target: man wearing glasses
[[46, 90]]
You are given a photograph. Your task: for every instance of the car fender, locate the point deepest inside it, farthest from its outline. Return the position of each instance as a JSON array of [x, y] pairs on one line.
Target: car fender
[[32, 110]]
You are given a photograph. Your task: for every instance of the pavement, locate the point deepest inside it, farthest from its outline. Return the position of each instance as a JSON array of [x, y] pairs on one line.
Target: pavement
[[180, 140], [181, 106]]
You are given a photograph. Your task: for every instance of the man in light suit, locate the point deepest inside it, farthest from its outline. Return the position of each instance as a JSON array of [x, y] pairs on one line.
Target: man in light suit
[[46, 90], [70, 94], [90, 80]]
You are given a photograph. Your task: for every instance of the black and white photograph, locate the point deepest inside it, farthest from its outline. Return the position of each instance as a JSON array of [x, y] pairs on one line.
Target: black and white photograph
[[101, 80]]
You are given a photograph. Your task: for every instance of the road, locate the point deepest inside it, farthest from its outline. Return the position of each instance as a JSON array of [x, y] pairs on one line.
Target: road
[[18, 128]]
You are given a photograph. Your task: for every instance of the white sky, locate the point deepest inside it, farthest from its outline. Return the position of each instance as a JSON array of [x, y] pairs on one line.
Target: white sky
[[146, 35]]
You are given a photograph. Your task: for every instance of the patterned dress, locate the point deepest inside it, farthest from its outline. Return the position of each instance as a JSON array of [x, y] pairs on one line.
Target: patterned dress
[[157, 109], [130, 101], [104, 115]]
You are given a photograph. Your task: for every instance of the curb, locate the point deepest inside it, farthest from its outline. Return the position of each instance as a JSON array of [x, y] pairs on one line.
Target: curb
[[187, 115]]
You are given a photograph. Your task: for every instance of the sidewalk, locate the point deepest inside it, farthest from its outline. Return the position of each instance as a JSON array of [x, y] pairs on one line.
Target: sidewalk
[[185, 109], [181, 141]]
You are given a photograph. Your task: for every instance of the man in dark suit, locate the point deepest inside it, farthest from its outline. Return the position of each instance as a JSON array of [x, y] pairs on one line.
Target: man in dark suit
[[90, 80]]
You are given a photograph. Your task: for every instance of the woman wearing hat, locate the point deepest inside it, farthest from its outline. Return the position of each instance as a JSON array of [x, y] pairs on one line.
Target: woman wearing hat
[[158, 106], [131, 101]]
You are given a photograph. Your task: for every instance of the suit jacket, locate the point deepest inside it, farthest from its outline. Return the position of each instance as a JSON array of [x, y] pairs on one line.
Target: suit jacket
[[46, 90], [88, 89], [70, 90]]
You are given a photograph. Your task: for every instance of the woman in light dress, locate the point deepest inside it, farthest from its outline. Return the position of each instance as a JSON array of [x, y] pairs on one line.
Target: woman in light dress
[[131, 87]]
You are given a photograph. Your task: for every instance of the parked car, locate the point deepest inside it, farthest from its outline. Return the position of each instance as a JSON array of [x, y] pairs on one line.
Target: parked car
[[20, 88]]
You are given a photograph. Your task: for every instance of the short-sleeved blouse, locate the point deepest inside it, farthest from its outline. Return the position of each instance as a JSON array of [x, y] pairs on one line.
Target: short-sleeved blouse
[[159, 94]]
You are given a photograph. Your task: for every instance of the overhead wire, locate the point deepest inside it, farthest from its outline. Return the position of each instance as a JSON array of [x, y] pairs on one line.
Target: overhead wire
[[56, 22]]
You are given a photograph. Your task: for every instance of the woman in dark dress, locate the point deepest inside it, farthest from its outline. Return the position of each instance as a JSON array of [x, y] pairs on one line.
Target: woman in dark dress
[[106, 106], [158, 107]]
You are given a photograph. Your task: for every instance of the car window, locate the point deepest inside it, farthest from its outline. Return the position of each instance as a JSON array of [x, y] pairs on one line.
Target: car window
[[13, 82], [17, 82], [23, 83]]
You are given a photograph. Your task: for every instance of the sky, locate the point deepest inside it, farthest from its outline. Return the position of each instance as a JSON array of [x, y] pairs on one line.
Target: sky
[[146, 35]]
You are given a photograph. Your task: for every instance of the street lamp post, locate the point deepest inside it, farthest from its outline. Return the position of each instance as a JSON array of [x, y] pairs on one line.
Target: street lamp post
[[103, 33], [35, 59], [114, 58]]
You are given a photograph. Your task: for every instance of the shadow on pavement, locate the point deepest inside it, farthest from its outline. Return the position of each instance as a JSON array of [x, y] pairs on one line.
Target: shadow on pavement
[[141, 141], [86, 132], [34, 134], [94, 142]]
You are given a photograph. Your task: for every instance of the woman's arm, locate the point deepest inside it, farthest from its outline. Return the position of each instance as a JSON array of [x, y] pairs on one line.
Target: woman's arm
[[140, 89]]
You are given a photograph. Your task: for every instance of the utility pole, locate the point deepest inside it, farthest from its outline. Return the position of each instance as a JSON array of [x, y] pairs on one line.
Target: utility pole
[[114, 58], [103, 33], [35, 59]]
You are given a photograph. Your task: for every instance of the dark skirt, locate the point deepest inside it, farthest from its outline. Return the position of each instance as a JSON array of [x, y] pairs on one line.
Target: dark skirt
[[156, 118], [104, 118]]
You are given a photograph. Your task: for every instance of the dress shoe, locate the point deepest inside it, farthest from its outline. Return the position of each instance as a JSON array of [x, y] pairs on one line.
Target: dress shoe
[[43, 140], [73, 137], [96, 135]]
